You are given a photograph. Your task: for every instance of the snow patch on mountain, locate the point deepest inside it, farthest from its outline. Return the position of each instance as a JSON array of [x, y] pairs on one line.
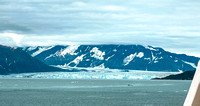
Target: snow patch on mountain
[[100, 66], [41, 49], [180, 70], [147, 59], [70, 50], [115, 50], [31, 48], [191, 64], [161, 58], [153, 57], [129, 58], [109, 57], [97, 53], [140, 55], [151, 48], [49, 56], [1, 66], [156, 61], [77, 59]]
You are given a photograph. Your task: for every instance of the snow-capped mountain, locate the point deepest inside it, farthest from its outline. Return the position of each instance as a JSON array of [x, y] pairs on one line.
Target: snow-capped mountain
[[15, 60], [128, 57]]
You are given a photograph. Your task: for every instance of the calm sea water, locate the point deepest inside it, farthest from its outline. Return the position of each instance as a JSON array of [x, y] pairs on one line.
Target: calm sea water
[[65, 92]]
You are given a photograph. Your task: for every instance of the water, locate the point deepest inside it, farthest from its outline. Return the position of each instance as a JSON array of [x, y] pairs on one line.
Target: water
[[66, 92]]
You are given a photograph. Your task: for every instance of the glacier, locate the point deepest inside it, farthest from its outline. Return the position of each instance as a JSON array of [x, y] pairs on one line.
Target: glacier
[[132, 75]]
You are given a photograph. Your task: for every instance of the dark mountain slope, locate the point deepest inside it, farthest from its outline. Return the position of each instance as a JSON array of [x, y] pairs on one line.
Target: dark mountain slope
[[188, 75], [15, 60]]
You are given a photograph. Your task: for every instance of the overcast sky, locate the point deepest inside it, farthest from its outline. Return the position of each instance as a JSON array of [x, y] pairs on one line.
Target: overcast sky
[[171, 24]]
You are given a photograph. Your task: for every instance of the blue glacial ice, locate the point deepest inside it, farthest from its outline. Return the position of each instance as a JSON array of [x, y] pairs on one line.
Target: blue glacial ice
[[134, 75]]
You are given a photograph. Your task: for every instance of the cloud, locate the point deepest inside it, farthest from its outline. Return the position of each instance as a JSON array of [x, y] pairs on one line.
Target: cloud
[[171, 24], [114, 8], [78, 3], [15, 37]]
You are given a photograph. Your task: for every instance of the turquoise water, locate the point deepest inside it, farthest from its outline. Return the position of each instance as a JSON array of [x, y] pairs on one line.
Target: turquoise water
[[66, 92]]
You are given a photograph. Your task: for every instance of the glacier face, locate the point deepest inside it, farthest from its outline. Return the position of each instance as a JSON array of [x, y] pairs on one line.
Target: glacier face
[[135, 75], [127, 57]]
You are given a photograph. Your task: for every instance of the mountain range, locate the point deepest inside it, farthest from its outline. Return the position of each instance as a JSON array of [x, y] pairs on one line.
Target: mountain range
[[126, 57]]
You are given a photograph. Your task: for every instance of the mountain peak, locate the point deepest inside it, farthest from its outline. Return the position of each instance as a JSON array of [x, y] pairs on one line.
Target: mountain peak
[[128, 57]]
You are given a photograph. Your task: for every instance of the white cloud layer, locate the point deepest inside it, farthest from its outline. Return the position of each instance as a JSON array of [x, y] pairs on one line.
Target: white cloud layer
[[15, 37], [171, 24]]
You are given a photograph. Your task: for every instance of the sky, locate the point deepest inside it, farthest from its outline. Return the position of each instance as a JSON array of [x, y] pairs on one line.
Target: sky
[[170, 24]]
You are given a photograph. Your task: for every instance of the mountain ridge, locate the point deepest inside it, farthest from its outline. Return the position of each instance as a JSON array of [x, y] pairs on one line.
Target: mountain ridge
[[188, 75], [14, 60], [131, 57]]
